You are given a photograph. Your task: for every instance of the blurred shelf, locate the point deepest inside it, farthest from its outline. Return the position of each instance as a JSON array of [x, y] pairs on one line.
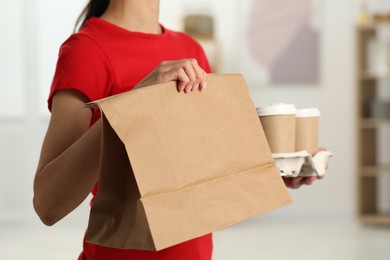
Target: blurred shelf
[[373, 122], [375, 219], [371, 27], [366, 28], [374, 171], [203, 38], [372, 75], [368, 138]]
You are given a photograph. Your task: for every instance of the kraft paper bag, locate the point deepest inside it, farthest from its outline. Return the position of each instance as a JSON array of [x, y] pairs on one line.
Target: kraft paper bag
[[177, 166]]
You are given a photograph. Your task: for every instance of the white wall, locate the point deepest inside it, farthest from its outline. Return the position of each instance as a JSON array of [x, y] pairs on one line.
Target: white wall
[[31, 33], [36, 28], [335, 96]]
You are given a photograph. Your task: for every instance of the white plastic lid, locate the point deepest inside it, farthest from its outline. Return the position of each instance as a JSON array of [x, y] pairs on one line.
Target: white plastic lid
[[276, 109], [308, 112]]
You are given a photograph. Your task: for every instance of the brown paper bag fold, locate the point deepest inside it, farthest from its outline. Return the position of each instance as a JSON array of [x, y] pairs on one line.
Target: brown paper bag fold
[[177, 166]]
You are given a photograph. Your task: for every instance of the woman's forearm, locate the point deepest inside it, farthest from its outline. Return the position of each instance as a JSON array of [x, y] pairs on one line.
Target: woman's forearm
[[64, 183]]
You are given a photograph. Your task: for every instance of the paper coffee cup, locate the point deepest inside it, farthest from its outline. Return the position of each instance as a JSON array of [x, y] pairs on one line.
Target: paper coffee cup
[[307, 125], [278, 122]]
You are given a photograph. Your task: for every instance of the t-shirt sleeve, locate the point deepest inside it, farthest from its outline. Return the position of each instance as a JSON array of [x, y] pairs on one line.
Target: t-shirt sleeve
[[82, 66], [203, 61]]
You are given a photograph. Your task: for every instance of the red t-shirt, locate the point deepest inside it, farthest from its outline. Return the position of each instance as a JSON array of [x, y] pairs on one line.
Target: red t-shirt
[[102, 60]]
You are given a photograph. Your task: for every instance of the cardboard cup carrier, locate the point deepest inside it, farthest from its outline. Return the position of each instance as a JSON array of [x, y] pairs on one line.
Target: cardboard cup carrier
[[278, 121], [307, 125]]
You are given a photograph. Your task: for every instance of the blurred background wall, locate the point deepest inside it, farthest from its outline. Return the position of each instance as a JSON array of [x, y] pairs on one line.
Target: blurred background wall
[[31, 33]]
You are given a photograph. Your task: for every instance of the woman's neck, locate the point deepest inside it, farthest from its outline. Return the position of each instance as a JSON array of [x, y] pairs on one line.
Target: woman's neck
[[134, 15]]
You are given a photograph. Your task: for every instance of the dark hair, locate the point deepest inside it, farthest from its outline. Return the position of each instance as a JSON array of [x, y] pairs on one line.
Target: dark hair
[[94, 8]]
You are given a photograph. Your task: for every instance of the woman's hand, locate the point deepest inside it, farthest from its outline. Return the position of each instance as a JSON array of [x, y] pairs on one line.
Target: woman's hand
[[296, 182], [188, 73]]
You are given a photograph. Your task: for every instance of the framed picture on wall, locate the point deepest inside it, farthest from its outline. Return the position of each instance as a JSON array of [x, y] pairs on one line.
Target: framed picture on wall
[[284, 37]]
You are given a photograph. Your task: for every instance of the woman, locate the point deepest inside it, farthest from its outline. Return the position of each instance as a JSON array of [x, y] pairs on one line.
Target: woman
[[120, 46]]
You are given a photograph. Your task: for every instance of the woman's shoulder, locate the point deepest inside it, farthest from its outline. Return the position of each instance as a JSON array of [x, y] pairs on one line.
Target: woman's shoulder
[[79, 50], [86, 38], [80, 43], [184, 37]]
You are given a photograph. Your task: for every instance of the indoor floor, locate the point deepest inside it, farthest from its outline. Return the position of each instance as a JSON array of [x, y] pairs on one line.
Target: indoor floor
[[256, 239]]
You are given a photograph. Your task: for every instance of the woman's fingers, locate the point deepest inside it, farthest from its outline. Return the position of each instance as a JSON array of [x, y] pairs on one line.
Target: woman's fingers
[[182, 79], [189, 70], [189, 75], [201, 76], [195, 74], [296, 182], [293, 182], [309, 180]]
